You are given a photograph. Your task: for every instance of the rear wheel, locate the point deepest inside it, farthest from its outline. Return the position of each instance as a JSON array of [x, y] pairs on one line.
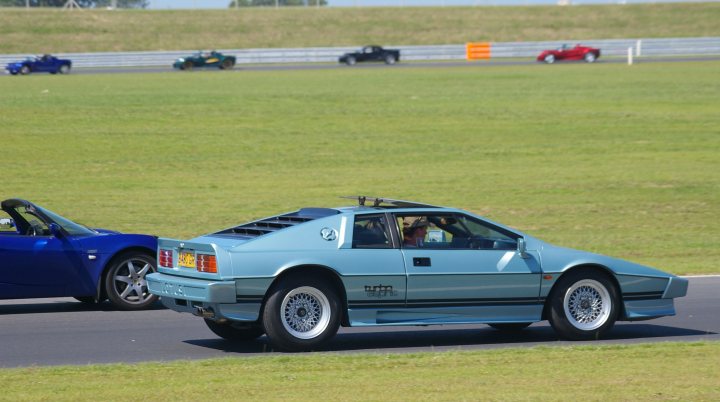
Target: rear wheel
[[187, 66], [125, 282], [584, 305], [234, 331], [350, 61], [590, 57], [24, 70], [301, 313], [549, 59]]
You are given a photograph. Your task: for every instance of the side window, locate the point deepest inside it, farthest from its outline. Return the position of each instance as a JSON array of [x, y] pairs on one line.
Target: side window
[[7, 225], [486, 237], [36, 226], [371, 231], [426, 231]]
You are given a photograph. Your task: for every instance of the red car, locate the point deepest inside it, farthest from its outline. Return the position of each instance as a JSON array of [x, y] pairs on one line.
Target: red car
[[589, 54]]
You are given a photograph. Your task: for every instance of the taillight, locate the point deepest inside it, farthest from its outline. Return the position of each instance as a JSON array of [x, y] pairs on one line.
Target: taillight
[[165, 258], [206, 263]]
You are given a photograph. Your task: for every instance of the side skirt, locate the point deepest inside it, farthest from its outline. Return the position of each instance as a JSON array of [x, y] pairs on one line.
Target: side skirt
[[445, 315]]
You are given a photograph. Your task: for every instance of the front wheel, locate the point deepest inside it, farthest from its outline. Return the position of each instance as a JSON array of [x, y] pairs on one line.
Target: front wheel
[[227, 64], [584, 305], [233, 331], [125, 282], [301, 314], [590, 57], [390, 59], [64, 69]]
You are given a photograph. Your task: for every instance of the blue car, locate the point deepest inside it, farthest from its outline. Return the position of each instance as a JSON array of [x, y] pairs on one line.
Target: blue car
[[298, 276], [45, 63], [46, 255]]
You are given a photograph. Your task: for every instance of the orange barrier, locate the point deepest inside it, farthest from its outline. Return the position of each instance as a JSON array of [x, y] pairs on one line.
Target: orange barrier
[[477, 50]]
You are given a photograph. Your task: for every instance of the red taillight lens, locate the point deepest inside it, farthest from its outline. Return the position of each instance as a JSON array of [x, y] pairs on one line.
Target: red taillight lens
[[165, 258], [206, 263]]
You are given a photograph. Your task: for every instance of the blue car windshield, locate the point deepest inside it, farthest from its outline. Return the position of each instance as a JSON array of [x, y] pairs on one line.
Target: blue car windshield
[[74, 229]]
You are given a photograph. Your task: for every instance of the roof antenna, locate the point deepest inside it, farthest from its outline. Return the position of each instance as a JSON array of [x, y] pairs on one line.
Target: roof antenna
[[361, 200]]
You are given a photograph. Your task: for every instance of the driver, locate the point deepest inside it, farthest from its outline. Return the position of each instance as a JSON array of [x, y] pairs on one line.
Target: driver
[[414, 230]]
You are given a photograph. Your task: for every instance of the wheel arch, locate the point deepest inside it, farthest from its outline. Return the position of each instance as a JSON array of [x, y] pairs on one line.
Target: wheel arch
[[325, 272], [100, 291], [589, 267]]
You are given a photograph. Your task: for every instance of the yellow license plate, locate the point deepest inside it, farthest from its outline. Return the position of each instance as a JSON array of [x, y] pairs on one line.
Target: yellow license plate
[[186, 259]]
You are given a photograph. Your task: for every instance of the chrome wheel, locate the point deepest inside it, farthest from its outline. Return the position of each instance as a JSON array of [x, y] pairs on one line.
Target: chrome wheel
[[305, 312], [130, 283], [550, 59], [587, 305], [590, 57], [125, 283]]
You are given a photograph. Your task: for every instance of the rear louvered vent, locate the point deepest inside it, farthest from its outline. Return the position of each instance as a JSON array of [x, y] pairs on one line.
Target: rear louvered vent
[[276, 223]]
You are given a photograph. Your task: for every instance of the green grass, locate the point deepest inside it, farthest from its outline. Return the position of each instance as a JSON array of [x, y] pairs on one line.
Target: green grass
[[608, 158], [669, 371], [44, 30]]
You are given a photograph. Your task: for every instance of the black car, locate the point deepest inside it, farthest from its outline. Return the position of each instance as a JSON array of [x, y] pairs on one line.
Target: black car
[[371, 53]]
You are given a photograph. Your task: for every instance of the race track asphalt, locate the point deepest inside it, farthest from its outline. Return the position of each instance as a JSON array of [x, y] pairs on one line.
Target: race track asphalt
[[62, 331]]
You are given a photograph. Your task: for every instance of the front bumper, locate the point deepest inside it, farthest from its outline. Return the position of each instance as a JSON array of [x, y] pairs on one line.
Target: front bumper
[[637, 310], [210, 299]]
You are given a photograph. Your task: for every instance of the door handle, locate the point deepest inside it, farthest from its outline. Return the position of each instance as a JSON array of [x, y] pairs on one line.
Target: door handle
[[421, 261]]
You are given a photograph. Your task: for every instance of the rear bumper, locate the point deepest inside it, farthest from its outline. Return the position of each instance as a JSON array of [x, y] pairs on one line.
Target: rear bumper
[[210, 299]]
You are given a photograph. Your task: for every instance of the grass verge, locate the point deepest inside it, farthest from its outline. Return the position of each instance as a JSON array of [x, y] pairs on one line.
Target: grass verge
[[607, 158], [46, 30], [664, 371]]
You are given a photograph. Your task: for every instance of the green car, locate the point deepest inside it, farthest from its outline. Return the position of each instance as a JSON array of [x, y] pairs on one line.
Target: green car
[[205, 59]]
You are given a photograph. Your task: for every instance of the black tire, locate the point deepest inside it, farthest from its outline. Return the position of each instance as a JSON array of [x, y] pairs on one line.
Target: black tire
[[510, 326], [187, 66], [24, 70], [584, 305], [350, 61], [390, 59], [301, 313], [234, 331], [227, 64], [125, 283]]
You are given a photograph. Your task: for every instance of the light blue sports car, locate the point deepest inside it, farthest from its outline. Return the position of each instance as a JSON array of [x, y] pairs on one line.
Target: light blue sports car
[[298, 276]]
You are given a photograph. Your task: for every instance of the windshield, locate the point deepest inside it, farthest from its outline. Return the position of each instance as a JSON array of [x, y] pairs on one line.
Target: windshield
[[74, 229]]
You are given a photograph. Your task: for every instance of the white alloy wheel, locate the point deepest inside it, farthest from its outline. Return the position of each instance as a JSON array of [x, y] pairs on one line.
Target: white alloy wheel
[[590, 57], [550, 59], [587, 304], [305, 312]]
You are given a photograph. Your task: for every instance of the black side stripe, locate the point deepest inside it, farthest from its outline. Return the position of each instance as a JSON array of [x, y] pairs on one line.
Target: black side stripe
[[643, 295], [445, 303]]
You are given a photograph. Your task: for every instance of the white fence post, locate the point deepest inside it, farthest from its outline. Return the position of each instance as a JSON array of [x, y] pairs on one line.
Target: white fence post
[[638, 47], [630, 56]]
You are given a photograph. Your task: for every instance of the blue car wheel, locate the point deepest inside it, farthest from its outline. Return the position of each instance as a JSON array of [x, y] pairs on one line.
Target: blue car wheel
[[125, 283]]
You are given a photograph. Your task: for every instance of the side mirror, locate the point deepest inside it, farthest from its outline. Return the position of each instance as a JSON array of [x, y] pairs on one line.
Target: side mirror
[[522, 248], [56, 230]]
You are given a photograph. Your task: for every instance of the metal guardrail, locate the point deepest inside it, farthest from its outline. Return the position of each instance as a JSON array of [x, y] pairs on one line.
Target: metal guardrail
[[610, 47]]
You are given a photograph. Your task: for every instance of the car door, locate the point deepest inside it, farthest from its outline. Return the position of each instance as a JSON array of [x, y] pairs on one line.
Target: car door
[[38, 265], [468, 270], [373, 269]]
